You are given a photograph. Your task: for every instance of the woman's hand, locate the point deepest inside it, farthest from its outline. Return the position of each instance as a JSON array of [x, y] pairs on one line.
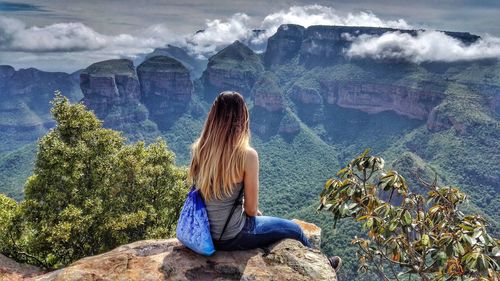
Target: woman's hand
[[259, 213]]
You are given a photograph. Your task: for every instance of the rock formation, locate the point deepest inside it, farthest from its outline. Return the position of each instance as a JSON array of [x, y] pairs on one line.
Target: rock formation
[[374, 98], [267, 94], [170, 260], [324, 45], [309, 102], [166, 89], [234, 68], [108, 83], [269, 105], [284, 44]]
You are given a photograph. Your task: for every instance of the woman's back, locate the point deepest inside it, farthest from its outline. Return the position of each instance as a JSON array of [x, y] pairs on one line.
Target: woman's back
[[218, 212]]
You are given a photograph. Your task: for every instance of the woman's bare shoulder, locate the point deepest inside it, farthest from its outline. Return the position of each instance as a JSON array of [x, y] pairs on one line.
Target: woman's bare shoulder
[[251, 153]]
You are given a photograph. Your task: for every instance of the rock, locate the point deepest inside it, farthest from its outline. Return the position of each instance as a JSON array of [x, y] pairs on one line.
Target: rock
[[309, 103], [267, 94], [170, 260], [284, 44], [312, 231], [166, 89], [108, 83], [234, 68], [375, 98], [13, 271], [111, 89]]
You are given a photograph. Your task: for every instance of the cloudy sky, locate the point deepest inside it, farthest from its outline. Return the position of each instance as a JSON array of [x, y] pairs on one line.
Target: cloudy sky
[[67, 35]]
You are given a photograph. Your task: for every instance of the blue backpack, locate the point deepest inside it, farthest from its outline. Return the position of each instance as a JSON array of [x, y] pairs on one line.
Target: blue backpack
[[193, 228]]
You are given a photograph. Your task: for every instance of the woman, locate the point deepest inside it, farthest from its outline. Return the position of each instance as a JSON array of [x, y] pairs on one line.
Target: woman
[[224, 167]]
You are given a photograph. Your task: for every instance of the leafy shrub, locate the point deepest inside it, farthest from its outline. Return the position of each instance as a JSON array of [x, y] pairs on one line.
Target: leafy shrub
[[90, 192], [424, 236]]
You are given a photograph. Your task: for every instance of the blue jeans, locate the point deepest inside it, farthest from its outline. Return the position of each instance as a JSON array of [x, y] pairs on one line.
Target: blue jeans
[[262, 231]]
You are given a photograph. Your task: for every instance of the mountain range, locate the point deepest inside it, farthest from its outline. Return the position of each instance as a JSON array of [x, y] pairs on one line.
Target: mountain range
[[312, 109]]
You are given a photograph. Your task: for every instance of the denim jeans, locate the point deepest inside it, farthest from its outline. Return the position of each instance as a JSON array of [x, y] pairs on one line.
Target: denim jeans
[[262, 231]]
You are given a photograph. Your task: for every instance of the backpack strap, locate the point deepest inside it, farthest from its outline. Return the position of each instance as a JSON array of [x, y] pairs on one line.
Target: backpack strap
[[236, 202]]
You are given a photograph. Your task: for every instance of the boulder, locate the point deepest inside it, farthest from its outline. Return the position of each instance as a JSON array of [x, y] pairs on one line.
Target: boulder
[[170, 260], [13, 271]]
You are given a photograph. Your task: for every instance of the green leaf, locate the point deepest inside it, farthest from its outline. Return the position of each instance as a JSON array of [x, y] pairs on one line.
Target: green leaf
[[406, 217], [425, 240]]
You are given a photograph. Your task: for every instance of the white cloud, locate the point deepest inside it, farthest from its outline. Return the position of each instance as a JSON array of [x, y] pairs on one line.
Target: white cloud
[[76, 37], [219, 33], [425, 46]]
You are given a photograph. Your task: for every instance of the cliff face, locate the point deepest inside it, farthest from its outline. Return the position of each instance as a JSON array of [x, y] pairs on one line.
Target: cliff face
[[269, 105], [234, 68], [284, 44], [324, 45], [108, 83], [166, 89]]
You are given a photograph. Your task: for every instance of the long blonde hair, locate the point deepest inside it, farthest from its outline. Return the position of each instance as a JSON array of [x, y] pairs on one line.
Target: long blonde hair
[[218, 155]]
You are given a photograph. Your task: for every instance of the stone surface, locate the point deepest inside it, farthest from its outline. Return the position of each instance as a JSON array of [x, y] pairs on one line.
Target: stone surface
[[170, 260], [13, 271]]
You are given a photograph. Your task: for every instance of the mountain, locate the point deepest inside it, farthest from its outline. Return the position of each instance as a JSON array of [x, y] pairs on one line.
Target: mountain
[[24, 103], [312, 110], [235, 67]]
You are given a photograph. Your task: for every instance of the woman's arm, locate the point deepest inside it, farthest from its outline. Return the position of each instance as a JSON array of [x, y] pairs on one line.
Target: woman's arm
[[251, 183]]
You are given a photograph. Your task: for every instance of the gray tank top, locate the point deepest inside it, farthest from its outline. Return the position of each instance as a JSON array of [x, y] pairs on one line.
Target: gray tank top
[[218, 211]]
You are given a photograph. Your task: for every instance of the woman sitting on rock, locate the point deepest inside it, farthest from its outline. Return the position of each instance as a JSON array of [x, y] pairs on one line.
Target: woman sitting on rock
[[226, 171]]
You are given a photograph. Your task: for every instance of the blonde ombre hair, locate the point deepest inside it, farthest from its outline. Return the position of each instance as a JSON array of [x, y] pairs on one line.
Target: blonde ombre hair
[[218, 155]]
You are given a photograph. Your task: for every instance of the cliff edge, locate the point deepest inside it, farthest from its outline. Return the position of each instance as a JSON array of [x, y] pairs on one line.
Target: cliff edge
[[169, 260]]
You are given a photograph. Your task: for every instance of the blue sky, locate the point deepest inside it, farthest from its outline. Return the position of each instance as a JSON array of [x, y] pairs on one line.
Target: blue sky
[[67, 35]]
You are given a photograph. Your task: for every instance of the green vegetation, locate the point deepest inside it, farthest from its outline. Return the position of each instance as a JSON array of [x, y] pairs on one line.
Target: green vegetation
[[90, 192], [424, 236]]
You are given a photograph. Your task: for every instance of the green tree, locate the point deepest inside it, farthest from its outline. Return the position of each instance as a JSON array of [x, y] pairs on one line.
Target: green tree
[[91, 192], [428, 237]]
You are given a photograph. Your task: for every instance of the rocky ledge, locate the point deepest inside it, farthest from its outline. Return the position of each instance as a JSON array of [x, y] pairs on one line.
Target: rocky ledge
[[170, 260]]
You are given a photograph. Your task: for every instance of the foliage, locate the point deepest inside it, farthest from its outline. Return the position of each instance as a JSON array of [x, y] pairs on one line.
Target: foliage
[[90, 192], [424, 236]]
